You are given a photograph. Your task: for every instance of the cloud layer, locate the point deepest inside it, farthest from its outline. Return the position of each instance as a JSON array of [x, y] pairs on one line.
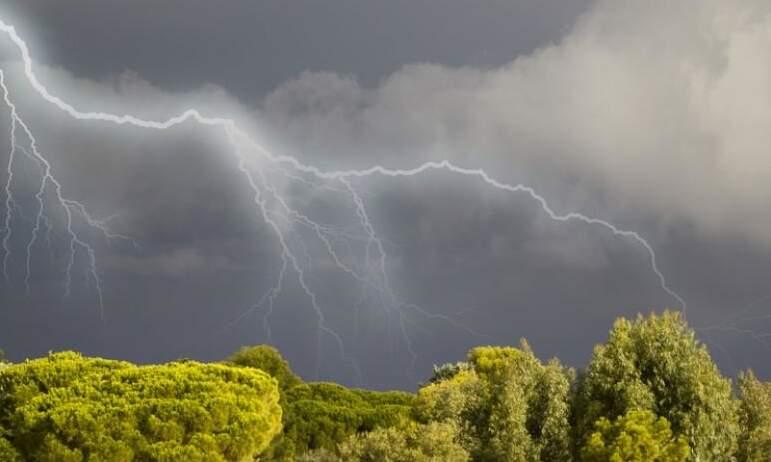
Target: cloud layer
[[653, 115], [656, 106]]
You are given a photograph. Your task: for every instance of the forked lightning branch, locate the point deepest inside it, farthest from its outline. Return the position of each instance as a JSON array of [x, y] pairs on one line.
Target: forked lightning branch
[[271, 205]]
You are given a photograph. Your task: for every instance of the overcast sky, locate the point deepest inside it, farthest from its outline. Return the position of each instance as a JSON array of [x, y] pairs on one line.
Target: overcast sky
[[653, 116]]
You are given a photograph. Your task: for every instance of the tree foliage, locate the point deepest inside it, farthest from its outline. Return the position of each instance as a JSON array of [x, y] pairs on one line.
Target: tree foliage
[[67, 407], [269, 360], [7, 452], [755, 419], [434, 442], [637, 436], [650, 394], [656, 364], [323, 415], [507, 405], [318, 455]]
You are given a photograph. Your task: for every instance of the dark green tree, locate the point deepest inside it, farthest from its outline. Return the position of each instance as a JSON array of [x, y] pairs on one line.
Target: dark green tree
[[655, 363], [322, 415], [319, 416], [268, 359]]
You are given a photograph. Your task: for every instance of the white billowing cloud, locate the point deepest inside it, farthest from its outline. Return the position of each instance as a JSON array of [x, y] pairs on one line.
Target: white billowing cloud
[[661, 106]]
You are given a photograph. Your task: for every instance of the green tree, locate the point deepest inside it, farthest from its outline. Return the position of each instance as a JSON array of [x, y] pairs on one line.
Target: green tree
[[318, 455], [655, 363], [269, 360], [70, 408], [755, 419], [322, 415], [434, 442], [637, 436], [7, 452], [506, 404]]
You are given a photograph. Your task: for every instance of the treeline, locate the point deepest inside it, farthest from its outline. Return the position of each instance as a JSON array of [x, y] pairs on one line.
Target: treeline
[[651, 393]]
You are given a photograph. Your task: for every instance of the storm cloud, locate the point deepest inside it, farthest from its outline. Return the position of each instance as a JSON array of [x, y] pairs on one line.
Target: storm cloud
[[651, 115], [662, 107]]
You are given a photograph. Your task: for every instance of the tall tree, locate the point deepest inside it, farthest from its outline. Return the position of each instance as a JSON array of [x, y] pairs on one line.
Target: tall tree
[[655, 363], [507, 405], [755, 419]]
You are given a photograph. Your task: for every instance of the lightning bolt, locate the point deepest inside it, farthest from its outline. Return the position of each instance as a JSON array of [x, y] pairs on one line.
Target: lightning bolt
[[271, 207], [47, 178]]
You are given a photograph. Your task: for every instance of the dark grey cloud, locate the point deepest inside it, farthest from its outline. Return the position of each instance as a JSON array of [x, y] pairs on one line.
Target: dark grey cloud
[[626, 113], [250, 47]]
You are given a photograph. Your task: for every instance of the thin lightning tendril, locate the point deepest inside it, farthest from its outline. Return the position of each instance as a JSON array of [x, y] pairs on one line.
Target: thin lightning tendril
[[10, 203], [46, 177], [374, 273]]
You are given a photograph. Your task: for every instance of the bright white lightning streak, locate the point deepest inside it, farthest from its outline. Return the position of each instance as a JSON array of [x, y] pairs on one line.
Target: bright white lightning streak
[[10, 204], [286, 253], [234, 134], [361, 211]]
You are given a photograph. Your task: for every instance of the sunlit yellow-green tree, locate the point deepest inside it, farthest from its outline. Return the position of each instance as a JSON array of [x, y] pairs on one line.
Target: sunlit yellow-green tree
[[506, 404], [410, 442], [637, 436], [67, 407], [7, 452]]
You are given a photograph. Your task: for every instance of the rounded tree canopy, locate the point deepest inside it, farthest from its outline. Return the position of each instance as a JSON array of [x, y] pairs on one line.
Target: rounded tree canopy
[[67, 407], [506, 403], [267, 359], [655, 363]]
